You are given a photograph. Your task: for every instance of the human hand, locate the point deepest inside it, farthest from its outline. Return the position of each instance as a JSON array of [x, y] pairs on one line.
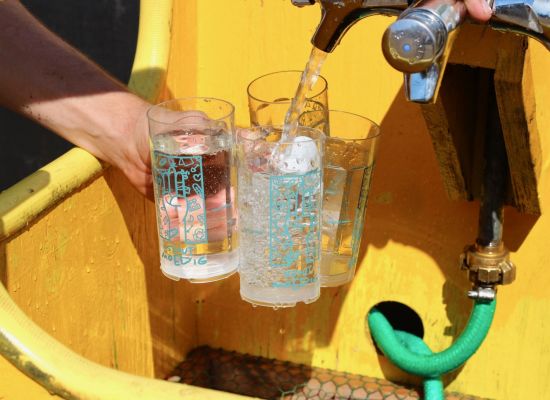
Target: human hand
[[130, 153], [186, 218], [480, 10], [194, 204], [129, 150]]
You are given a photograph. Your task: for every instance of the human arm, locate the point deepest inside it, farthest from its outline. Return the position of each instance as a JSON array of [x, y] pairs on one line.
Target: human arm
[[478, 9], [47, 80]]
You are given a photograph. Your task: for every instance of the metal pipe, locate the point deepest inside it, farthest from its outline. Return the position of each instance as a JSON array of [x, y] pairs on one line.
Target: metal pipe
[[495, 181]]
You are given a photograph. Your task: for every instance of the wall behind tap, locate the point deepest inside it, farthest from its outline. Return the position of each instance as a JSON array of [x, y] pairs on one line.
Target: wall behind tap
[[413, 233], [95, 283]]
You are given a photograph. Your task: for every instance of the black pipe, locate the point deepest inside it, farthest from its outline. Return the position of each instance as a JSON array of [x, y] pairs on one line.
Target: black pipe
[[495, 180]]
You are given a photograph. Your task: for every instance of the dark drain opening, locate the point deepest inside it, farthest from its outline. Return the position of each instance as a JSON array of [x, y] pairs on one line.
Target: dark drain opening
[[401, 317]]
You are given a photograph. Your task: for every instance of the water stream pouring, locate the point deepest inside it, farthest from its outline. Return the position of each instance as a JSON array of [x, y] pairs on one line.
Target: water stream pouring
[[337, 18], [419, 42]]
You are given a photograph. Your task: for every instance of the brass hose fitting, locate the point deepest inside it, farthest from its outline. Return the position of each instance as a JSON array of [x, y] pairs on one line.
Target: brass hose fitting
[[487, 267]]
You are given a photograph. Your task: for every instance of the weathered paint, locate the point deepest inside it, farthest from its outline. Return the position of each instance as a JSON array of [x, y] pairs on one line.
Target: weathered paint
[[411, 243], [95, 283]]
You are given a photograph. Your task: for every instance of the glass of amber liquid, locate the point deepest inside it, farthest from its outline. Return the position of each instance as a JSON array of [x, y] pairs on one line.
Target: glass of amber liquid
[[195, 184]]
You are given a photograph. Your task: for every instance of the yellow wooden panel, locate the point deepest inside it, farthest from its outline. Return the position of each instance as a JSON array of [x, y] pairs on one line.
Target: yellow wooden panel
[[170, 305], [181, 80], [413, 235], [88, 273], [219, 47], [16, 386], [77, 275]]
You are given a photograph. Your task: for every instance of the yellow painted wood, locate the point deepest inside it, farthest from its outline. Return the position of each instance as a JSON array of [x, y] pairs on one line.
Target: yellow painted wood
[[17, 386], [413, 235], [86, 304], [71, 376], [21, 203], [86, 270], [153, 51], [182, 64], [170, 305]]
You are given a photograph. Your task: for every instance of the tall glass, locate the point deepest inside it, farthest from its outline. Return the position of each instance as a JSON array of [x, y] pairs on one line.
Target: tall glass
[[270, 95], [350, 153], [195, 182], [280, 194]]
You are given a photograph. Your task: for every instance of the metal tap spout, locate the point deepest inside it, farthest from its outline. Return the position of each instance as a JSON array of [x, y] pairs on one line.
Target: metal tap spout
[[419, 42], [337, 16]]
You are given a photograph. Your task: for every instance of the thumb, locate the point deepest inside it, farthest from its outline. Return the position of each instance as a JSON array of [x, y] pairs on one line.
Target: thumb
[[479, 9]]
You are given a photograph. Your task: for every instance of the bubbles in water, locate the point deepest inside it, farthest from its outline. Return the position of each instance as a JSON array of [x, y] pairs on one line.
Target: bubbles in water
[[298, 157]]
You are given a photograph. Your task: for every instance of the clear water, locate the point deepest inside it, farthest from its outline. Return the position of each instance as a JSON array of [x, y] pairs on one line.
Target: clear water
[[344, 205], [308, 79], [193, 173], [268, 275], [279, 265]]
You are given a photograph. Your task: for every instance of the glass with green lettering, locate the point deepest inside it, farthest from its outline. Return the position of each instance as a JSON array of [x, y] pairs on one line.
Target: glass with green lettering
[[350, 152], [195, 183]]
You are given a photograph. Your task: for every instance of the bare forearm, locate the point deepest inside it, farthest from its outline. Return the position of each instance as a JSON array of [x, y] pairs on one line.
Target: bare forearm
[[44, 78]]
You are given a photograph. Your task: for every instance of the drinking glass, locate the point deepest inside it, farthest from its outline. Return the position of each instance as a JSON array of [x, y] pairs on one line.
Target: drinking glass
[[192, 159], [279, 199], [350, 152], [270, 95]]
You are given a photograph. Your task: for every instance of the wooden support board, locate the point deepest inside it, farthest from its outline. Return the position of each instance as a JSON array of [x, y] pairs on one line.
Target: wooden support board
[[457, 120]]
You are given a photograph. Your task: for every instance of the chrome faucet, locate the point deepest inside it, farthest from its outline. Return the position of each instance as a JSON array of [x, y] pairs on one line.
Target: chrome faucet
[[525, 17], [337, 16], [419, 42]]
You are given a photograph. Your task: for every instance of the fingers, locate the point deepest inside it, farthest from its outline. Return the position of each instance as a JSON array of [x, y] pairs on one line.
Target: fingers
[[142, 181], [191, 216], [148, 191], [479, 9], [192, 119]]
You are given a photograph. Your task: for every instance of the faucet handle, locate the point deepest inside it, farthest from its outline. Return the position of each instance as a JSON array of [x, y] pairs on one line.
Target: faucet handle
[[419, 43], [414, 42], [419, 36]]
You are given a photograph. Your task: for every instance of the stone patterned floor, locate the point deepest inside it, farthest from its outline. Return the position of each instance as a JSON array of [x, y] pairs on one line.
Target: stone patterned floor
[[281, 380]]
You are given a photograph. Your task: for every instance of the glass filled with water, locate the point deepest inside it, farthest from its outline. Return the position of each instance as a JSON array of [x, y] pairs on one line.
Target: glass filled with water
[[279, 198], [350, 152], [270, 96], [192, 157]]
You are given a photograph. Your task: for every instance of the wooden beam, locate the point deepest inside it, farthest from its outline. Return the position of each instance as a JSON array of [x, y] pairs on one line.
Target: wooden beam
[[516, 103]]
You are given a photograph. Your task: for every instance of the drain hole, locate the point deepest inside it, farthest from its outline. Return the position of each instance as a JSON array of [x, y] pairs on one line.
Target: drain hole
[[401, 317]]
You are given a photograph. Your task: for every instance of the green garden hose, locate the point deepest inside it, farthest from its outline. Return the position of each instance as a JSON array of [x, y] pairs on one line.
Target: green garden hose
[[412, 355], [433, 387]]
